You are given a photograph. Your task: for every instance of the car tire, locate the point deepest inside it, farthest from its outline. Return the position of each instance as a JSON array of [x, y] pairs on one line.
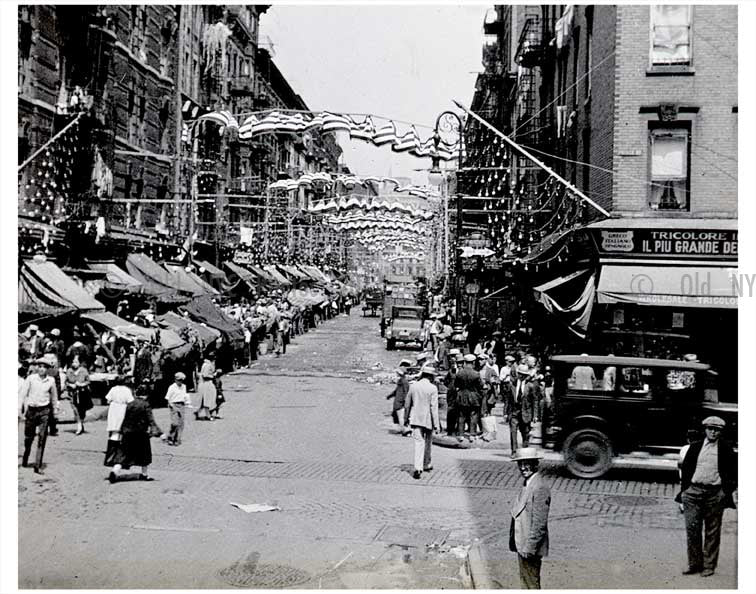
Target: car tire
[[588, 453], [390, 345]]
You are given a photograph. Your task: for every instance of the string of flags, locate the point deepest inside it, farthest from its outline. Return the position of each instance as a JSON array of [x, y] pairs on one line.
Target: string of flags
[[307, 180], [358, 127], [369, 204]]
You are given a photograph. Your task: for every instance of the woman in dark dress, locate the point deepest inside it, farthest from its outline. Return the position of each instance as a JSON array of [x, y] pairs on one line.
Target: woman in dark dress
[[136, 429]]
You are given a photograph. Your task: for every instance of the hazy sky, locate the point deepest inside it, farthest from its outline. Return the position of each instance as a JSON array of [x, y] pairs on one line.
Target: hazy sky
[[404, 62]]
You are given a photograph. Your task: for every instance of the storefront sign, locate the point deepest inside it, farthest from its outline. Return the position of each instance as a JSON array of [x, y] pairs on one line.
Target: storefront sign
[[242, 258], [682, 243]]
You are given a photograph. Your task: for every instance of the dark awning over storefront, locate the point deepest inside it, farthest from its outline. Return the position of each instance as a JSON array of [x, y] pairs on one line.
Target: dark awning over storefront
[[43, 286], [673, 286]]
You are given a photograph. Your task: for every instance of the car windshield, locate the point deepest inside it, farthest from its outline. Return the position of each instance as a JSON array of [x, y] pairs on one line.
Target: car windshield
[[407, 314]]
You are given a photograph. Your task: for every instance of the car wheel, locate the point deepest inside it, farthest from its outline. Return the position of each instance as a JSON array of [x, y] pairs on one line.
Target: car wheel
[[390, 345], [588, 453]]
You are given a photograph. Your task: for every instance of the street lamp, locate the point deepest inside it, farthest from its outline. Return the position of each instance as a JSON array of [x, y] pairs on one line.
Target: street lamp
[[450, 125]]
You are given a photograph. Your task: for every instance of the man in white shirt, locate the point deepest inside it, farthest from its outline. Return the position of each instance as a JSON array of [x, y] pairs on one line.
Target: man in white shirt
[[178, 399], [40, 398]]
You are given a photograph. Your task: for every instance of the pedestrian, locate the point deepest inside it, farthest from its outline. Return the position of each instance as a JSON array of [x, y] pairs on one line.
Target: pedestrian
[[136, 429], [469, 389], [77, 388], [40, 401], [519, 407], [220, 397], [22, 373], [399, 394], [178, 399], [348, 305], [691, 436], [708, 481], [117, 398], [455, 362], [421, 414], [54, 371], [529, 528], [206, 393]]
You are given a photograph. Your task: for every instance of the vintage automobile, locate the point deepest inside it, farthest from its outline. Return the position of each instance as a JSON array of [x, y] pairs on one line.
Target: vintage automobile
[[605, 406], [405, 326]]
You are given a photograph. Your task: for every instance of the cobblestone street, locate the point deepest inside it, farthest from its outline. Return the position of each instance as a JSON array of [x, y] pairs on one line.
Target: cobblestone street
[[310, 433]]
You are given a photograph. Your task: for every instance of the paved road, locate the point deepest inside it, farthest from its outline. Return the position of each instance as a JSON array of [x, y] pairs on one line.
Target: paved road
[[309, 432]]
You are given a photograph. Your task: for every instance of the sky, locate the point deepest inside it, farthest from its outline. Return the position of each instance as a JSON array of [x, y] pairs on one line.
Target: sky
[[403, 62]]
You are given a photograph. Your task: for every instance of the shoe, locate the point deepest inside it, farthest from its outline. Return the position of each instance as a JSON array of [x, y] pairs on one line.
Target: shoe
[[428, 469], [144, 477], [707, 573], [460, 439], [53, 434], [38, 470], [692, 571], [112, 477], [417, 474], [79, 431]]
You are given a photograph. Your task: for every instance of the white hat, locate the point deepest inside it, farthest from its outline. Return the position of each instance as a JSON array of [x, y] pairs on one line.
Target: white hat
[[428, 369], [527, 454], [469, 358]]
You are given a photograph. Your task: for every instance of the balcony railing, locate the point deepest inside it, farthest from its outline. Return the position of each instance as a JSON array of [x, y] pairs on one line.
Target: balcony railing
[[532, 49]]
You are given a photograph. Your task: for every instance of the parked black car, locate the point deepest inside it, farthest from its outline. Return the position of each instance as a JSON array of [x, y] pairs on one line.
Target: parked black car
[[604, 406]]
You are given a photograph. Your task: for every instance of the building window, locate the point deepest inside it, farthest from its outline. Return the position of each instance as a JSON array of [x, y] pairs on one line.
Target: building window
[[670, 35], [669, 168]]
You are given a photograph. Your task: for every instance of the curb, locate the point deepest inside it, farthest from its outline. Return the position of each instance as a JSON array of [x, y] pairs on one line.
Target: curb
[[477, 570]]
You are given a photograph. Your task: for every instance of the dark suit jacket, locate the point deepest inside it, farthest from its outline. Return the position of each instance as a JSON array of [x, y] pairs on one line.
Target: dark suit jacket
[[469, 387], [526, 405], [728, 468]]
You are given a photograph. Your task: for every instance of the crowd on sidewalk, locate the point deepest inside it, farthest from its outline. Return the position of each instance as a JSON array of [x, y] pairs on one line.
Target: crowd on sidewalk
[[473, 371], [56, 367]]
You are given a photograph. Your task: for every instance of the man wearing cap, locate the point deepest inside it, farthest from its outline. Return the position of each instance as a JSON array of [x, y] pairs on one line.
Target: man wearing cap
[[40, 398], [421, 413], [178, 399], [708, 480], [519, 406], [529, 529], [469, 397], [455, 361]]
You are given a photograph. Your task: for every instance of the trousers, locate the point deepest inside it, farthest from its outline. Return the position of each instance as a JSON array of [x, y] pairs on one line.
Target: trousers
[[703, 508], [451, 420], [469, 415], [517, 424], [36, 417], [177, 422], [530, 572], [423, 438]]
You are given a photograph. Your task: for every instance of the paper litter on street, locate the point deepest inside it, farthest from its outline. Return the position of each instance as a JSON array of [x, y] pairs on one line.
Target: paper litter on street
[[251, 508]]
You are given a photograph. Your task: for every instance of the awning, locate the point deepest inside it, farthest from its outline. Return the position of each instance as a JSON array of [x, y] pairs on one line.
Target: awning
[[169, 340], [671, 286], [115, 277], [44, 286], [156, 279], [577, 314], [266, 277], [277, 276], [203, 310], [188, 282], [213, 271], [244, 274], [178, 323]]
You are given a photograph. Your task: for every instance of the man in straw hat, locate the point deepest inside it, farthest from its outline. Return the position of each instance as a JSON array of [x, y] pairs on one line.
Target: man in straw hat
[[421, 413], [708, 480], [519, 406], [529, 530]]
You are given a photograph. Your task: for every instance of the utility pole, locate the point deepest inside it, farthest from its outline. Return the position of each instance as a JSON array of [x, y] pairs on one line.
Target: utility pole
[[178, 164]]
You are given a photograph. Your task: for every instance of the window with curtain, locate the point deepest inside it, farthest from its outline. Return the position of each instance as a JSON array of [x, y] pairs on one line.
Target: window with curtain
[[670, 35], [669, 173]]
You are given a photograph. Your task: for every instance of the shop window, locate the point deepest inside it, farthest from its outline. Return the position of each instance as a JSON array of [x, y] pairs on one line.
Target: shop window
[[669, 169], [670, 35]]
